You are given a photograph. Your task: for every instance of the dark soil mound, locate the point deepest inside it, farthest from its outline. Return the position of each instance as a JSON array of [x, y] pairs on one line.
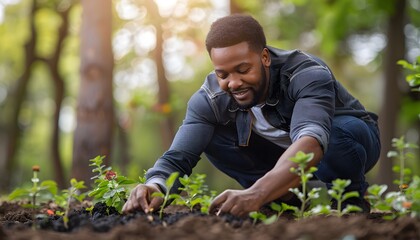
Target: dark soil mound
[[178, 223]]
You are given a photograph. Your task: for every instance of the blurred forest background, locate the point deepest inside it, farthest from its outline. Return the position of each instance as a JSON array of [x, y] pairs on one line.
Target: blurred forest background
[[85, 78]]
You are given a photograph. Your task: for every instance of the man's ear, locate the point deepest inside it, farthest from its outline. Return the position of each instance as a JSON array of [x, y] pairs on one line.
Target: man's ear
[[265, 57]]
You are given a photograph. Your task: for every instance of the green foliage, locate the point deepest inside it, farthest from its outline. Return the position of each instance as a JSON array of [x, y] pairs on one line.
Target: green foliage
[[257, 216], [44, 190], [302, 160], [407, 200], [337, 193], [413, 77], [195, 191], [167, 196], [64, 200], [281, 208], [402, 155], [109, 188]]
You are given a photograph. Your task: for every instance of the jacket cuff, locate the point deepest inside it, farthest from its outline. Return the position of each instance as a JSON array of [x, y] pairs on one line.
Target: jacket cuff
[[160, 182]]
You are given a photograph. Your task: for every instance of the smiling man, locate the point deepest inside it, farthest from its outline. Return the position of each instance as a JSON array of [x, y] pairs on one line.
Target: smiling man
[[259, 107]]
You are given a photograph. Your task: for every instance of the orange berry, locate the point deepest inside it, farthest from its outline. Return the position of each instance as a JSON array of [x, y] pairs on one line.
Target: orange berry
[[407, 205]]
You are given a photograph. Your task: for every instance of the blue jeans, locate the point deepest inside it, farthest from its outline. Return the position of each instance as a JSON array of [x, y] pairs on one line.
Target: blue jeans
[[353, 150]]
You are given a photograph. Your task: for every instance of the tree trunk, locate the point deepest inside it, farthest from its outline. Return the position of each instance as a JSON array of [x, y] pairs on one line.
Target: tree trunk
[[392, 94], [17, 96], [59, 87], [167, 123], [95, 113]]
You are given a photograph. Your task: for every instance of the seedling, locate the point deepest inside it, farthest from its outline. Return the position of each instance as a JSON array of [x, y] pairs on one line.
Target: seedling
[[302, 159], [194, 188], [402, 155], [407, 199], [110, 188], [413, 78], [338, 194], [257, 216], [64, 200], [47, 187], [168, 195], [376, 198]]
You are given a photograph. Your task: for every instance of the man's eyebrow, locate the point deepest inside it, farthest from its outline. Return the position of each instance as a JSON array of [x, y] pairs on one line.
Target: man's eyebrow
[[235, 67]]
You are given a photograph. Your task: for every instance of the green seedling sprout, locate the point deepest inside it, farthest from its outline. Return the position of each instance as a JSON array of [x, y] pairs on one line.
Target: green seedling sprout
[[406, 199], [194, 188], [402, 155], [64, 200], [109, 188], [167, 196], [302, 159], [376, 198], [413, 78], [257, 216], [205, 202], [338, 193], [47, 187]]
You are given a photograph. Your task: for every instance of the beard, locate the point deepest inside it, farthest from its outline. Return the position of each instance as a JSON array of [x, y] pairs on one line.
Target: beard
[[257, 93]]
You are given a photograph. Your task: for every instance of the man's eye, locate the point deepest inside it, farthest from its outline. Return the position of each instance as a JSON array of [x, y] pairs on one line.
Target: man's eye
[[243, 71], [222, 75]]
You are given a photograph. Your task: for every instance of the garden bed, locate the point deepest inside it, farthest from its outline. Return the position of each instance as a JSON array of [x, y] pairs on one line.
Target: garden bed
[[179, 223]]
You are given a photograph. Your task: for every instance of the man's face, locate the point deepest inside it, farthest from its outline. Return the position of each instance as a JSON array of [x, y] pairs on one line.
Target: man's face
[[242, 73]]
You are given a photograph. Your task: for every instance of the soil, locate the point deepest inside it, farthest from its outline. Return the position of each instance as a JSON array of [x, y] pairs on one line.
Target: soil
[[105, 223]]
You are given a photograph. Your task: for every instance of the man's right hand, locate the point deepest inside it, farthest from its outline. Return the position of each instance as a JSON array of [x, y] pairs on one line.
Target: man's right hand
[[141, 199]]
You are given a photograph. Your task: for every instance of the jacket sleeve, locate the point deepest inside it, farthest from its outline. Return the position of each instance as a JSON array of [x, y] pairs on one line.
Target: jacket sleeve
[[314, 95], [189, 143]]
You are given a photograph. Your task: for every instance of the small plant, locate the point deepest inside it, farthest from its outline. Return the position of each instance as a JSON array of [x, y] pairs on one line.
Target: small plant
[[205, 202], [376, 198], [110, 188], [257, 216], [47, 187], [407, 199], [413, 78], [402, 155], [338, 194], [302, 159], [64, 200], [168, 195], [195, 190]]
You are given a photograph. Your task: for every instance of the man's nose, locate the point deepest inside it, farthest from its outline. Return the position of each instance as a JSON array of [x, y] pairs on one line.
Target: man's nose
[[235, 82]]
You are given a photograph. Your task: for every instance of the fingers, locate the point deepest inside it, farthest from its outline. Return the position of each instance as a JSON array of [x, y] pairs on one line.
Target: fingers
[[139, 199], [217, 203], [154, 204], [235, 202]]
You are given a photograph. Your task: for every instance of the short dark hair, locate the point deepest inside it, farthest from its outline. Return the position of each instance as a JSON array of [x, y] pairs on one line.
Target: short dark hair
[[234, 29]]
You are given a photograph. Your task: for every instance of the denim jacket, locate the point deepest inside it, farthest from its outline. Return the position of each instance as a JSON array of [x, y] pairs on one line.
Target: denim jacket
[[303, 98]]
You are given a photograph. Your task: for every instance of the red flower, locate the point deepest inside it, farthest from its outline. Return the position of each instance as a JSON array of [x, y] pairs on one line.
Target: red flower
[[110, 175]]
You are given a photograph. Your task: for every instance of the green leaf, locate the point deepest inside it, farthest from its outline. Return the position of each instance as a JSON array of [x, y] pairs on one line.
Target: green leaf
[[270, 220], [18, 193], [348, 195], [109, 194], [50, 185]]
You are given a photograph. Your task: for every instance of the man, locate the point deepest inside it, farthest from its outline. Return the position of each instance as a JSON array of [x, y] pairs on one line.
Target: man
[[259, 107]]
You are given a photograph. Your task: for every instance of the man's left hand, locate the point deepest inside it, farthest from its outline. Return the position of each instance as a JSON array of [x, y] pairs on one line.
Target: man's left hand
[[236, 202]]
